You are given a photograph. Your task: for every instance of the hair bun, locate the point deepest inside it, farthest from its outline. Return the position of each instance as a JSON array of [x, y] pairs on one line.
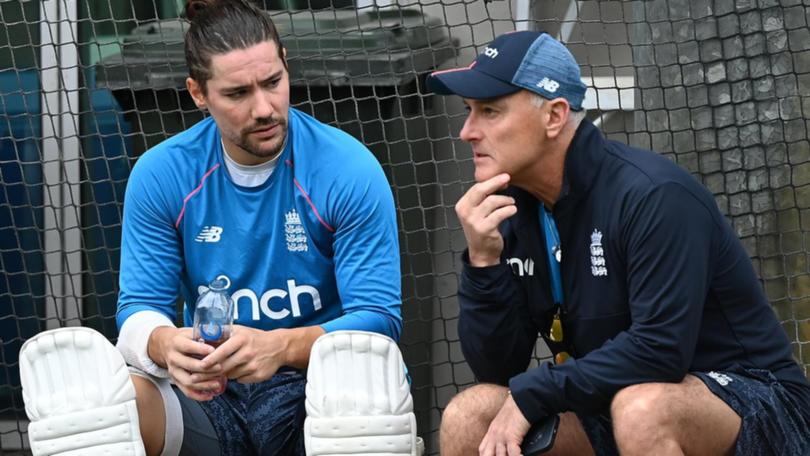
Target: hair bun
[[195, 7]]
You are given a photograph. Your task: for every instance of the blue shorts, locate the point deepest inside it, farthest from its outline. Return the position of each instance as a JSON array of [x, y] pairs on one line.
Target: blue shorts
[[773, 421], [257, 419]]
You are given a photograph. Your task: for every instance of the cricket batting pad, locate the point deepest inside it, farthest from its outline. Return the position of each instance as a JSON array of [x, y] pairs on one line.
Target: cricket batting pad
[[78, 396], [358, 398]]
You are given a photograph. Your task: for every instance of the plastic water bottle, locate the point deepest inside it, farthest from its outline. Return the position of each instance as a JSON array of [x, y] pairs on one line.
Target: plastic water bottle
[[213, 320]]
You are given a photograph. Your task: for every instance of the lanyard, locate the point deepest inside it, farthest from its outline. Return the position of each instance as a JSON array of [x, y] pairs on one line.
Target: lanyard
[[554, 253]]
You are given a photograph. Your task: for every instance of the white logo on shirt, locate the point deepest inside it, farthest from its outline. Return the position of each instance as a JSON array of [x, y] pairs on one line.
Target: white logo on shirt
[[521, 267], [598, 265], [491, 52], [722, 379], [294, 232], [209, 234], [549, 85], [282, 307]]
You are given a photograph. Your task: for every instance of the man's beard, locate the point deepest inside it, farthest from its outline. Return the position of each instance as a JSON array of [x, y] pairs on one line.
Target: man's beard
[[258, 148]]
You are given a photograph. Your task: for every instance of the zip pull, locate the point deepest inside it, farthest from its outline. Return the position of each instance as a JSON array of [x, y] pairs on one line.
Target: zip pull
[[556, 335], [556, 328]]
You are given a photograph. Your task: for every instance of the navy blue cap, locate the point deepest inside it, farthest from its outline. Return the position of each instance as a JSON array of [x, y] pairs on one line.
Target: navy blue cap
[[517, 60]]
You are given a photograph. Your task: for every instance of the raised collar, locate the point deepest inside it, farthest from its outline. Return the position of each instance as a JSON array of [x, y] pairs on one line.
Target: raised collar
[[582, 162]]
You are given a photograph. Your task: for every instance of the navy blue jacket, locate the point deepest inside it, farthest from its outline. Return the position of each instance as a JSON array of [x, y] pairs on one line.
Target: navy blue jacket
[[655, 282]]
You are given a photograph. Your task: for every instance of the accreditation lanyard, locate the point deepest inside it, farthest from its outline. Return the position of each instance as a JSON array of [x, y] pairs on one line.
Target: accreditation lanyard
[[554, 253]]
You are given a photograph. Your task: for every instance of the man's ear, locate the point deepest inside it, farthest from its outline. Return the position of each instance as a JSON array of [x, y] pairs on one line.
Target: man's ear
[[196, 92], [558, 113]]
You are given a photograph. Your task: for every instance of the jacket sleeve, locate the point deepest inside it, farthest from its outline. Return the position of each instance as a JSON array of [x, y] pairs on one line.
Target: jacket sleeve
[[496, 331], [668, 243]]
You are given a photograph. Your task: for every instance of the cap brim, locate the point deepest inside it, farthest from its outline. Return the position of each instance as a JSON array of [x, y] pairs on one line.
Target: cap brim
[[468, 83]]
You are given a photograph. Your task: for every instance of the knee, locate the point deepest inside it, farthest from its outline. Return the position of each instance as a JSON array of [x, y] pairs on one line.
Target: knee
[[466, 418], [477, 404], [639, 410]]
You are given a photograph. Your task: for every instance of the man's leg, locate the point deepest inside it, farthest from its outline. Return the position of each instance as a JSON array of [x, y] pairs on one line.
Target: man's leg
[[673, 419], [276, 415], [151, 417], [467, 417]]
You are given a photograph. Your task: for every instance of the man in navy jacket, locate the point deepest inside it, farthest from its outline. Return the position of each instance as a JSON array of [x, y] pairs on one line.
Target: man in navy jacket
[[672, 346]]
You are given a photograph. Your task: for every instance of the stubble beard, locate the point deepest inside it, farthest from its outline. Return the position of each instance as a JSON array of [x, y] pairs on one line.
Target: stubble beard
[[253, 147]]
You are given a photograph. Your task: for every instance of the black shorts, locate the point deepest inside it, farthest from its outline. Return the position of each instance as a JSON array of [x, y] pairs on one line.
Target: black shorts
[[773, 421], [258, 419]]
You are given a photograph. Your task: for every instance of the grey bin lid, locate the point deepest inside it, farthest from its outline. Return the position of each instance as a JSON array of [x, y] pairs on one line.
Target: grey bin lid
[[326, 47]]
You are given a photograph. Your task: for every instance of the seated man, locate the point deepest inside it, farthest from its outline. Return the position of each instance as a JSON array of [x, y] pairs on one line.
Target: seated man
[[294, 215], [673, 346]]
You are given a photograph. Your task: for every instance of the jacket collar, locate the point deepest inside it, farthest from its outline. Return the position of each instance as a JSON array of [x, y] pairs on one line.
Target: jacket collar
[[582, 162]]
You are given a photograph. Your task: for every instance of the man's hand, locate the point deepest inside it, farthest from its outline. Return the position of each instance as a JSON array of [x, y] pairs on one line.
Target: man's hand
[[505, 432], [181, 355], [250, 355], [480, 211]]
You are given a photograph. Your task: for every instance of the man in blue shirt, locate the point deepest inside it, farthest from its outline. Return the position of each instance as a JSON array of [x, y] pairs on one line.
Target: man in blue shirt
[[294, 216], [624, 265]]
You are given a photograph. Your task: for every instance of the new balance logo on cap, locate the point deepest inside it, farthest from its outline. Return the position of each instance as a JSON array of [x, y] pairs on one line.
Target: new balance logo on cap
[[549, 85], [491, 52], [514, 61], [209, 234]]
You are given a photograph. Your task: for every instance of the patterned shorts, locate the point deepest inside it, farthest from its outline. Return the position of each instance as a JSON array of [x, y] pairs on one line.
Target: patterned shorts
[[258, 419], [773, 421]]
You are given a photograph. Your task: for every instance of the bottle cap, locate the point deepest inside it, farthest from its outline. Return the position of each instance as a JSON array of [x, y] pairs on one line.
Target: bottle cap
[[218, 284]]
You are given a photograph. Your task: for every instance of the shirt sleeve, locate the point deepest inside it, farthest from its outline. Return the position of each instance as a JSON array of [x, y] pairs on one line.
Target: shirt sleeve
[[669, 240], [366, 253], [496, 331], [151, 256]]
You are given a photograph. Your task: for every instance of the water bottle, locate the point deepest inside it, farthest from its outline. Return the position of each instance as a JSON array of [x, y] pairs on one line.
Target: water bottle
[[213, 318]]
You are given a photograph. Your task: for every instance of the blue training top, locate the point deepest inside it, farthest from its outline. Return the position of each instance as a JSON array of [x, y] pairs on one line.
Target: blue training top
[[316, 244]]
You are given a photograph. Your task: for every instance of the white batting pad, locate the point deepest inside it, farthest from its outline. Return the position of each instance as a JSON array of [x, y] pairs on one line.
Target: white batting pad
[[358, 398], [78, 396]]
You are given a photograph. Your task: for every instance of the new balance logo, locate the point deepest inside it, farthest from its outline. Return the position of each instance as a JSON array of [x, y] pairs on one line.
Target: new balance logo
[[549, 85], [209, 234], [490, 52], [720, 378]]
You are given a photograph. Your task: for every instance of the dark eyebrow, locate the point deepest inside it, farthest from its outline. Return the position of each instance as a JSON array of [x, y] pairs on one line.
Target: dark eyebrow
[[272, 77]]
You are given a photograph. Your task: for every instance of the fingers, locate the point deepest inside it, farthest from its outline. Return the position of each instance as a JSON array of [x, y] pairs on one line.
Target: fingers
[[480, 212], [223, 352], [197, 395], [492, 219], [192, 348], [494, 202], [191, 364], [195, 388], [478, 192], [201, 377], [480, 202]]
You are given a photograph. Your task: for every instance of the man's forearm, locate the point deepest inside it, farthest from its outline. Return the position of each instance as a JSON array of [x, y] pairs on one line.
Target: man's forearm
[[133, 340], [298, 344], [157, 343]]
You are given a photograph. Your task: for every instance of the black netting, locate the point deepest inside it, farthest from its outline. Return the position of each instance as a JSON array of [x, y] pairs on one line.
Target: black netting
[[722, 87]]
